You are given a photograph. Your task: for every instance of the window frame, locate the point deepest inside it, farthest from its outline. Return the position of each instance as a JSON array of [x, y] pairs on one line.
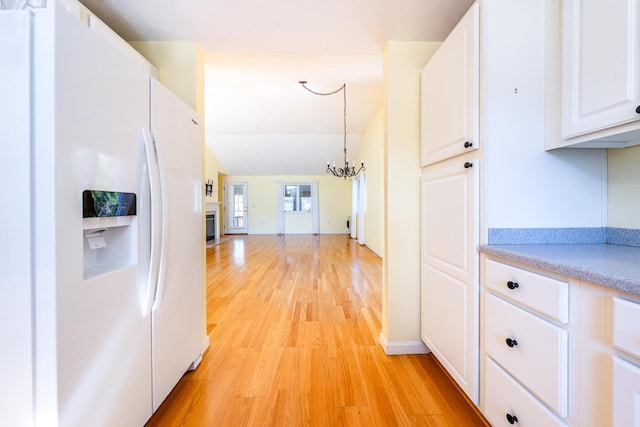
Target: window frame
[[297, 199]]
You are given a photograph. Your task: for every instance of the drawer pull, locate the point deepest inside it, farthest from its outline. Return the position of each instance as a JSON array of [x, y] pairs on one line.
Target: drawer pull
[[511, 342], [512, 419], [470, 144], [512, 285]]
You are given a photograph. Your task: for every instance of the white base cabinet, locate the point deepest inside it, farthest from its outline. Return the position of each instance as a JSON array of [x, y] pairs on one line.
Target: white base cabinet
[[584, 372], [523, 347]]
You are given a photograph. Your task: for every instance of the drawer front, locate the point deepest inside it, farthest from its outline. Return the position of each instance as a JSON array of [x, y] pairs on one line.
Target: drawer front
[[626, 389], [536, 354], [626, 319], [547, 296], [502, 396]]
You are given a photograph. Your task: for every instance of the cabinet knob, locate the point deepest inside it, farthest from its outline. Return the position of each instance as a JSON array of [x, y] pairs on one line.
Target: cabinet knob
[[512, 285], [470, 144], [511, 342], [637, 111], [468, 165], [512, 419]]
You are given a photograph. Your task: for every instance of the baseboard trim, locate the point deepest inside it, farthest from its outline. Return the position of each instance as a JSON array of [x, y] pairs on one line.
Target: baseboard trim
[[395, 348], [374, 251]]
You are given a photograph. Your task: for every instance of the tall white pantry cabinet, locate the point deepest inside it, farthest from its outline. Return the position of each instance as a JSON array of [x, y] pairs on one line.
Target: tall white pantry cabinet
[[490, 100]]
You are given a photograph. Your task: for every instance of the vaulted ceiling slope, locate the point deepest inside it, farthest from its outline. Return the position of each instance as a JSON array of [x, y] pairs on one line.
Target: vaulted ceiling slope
[[258, 118]]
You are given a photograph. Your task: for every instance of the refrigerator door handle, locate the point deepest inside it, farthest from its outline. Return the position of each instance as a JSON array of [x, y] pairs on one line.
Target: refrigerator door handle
[[155, 212], [163, 207]]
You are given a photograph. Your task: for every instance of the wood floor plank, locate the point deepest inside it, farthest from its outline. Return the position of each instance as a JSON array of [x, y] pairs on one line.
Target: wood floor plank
[[293, 323]]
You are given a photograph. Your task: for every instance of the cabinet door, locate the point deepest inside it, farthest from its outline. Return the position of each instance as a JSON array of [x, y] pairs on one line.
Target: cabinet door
[[626, 394], [601, 64], [450, 94], [449, 283]]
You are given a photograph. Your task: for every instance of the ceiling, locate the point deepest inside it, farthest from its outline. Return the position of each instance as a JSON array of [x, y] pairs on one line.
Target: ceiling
[[258, 119]]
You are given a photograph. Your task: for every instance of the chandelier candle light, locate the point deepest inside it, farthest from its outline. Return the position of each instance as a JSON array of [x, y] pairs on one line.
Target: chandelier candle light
[[347, 171]]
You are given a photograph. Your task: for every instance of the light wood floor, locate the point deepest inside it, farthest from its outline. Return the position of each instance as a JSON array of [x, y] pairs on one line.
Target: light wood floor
[[294, 324]]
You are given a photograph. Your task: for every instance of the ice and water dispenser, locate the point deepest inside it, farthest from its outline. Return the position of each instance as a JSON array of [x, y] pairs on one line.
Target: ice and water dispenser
[[109, 231]]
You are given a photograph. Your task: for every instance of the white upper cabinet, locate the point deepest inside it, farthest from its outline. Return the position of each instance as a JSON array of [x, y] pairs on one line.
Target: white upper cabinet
[[601, 73], [450, 94]]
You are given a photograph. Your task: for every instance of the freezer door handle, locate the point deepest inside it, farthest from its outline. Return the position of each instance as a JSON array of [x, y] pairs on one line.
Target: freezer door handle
[[163, 209], [156, 221]]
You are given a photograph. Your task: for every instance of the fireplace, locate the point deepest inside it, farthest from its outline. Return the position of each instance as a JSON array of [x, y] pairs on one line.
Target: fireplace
[[211, 226], [212, 222]]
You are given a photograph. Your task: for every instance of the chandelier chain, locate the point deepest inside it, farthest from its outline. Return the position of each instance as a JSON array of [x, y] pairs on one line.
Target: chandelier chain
[[346, 171], [304, 85]]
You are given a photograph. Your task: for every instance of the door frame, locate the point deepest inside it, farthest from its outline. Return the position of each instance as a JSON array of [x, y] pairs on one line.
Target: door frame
[[228, 208]]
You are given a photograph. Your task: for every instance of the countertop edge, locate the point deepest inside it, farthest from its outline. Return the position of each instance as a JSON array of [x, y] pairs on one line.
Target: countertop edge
[[611, 279]]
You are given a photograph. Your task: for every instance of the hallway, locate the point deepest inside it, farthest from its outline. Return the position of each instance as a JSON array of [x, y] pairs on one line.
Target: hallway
[[294, 323]]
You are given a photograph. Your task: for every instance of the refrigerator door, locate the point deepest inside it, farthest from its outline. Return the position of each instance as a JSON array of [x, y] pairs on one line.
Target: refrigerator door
[[178, 319], [98, 99], [16, 380]]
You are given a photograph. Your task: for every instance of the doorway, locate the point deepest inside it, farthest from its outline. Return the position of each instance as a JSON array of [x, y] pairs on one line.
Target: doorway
[[236, 207]]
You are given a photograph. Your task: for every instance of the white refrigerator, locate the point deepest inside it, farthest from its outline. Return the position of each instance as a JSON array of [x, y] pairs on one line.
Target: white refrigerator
[[101, 227]]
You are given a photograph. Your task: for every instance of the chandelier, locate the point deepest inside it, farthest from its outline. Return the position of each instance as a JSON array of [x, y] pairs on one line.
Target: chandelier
[[346, 171]]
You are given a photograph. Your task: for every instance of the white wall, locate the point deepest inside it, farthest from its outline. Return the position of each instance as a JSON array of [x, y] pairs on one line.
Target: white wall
[[334, 203], [403, 62], [624, 187], [525, 186]]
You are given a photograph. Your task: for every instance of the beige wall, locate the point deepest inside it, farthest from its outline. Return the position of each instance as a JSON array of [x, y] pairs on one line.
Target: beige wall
[[212, 170], [334, 202], [180, 68], [623, 184], [403, 62], [371, 150]]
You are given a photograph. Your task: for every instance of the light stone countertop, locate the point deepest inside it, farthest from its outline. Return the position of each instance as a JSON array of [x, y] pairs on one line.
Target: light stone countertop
[[615, 266]]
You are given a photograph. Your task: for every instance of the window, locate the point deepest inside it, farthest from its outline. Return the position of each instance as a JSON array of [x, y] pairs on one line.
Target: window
[[297, 198]]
